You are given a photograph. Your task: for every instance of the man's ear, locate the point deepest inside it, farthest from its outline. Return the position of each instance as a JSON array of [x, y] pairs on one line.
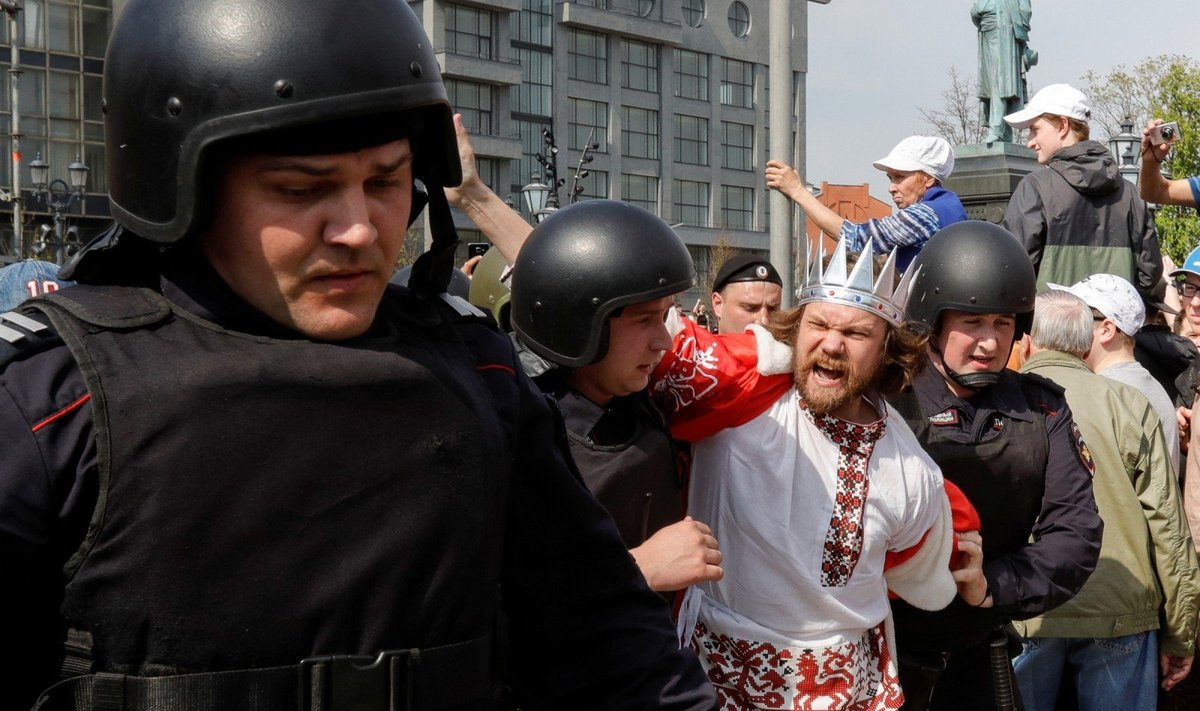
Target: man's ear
[[1026, 346], [1108, 332], [1063, 127], [716, 303]]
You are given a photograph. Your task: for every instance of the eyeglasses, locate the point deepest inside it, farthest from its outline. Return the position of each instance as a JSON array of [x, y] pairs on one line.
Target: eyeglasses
[[1187, 289]]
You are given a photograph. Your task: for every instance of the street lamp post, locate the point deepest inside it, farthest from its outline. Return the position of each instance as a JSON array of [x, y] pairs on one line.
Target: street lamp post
[[542, 197], [1124, 148], [14, 70], [536, 194], [58, 196]]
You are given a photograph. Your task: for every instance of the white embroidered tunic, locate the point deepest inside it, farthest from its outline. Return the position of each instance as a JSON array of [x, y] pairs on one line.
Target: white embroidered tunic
[[816, 518]]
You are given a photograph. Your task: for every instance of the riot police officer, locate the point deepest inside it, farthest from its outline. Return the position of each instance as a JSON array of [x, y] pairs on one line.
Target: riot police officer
[[1009, 442], [592, 285], [240, 469]]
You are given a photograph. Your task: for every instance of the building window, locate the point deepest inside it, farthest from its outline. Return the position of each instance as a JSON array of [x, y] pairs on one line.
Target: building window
[[691, 75], [737, 146], [639, 65], [691, 139], [602, 4], [640, 190], [474, 102], [97, 24], [469, 31], [737, 207], [691, 202], [700, 259], [60, 93], [488, 170], [645, 7], [585, 116], [693, 12], [737, 83], [587, 54], [534, 23], [639, 132], [739, 19], [533, 95], [594, 185]]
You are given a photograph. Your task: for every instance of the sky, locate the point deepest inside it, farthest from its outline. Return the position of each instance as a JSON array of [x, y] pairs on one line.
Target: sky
[[872, 64]]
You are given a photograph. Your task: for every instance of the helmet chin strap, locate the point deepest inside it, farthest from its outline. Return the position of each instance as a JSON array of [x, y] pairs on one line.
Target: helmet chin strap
[[970, 381]]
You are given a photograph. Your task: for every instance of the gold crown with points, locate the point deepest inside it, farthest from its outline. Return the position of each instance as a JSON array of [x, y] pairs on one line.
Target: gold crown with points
[[836, 284]]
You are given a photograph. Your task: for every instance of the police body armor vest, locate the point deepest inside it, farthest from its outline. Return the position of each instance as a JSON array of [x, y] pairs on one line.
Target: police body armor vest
[[1004, 479], [637, 481], [263, 500]]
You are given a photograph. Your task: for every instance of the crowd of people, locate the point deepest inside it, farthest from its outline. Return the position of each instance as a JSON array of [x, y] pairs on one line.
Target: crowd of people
[[247, 464]]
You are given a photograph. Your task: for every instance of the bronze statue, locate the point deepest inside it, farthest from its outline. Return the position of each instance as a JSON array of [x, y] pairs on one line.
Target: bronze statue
[[1004, 60]]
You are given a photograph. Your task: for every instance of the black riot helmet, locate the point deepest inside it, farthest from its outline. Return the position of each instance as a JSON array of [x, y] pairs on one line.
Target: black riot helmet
[[582, 264], [976, 267], [183, 76]]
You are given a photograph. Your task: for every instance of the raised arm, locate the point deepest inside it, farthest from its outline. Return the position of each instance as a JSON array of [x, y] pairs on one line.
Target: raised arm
[[786, 180], [503, 226], [1155, 187]]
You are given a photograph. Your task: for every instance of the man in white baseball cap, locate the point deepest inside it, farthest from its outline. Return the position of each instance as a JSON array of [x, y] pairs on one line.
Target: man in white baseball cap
[[1118, 313], [1077, 216], [916, 169]]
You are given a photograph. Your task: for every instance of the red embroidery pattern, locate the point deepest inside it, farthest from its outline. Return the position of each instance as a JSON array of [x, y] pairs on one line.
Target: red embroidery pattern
[[747, 674], [844, 539]]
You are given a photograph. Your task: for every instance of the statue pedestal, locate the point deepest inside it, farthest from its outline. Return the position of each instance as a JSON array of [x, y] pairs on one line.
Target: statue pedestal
[[985, 176]]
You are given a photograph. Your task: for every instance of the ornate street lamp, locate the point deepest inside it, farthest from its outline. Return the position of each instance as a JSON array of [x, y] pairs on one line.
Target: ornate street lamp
[[1124, 148], [58, 195], [535, 193]]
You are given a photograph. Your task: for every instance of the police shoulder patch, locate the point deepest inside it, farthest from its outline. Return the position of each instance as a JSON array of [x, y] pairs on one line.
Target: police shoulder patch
[[949, 416], [1082, 451]]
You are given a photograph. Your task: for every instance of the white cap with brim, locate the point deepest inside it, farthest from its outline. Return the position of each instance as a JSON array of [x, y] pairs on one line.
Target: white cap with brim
[[930, 154], [1057, 99], [1112, 296]]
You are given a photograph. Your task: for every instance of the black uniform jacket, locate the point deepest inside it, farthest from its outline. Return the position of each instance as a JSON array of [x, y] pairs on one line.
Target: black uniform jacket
[[584, 630], [1014, 450]]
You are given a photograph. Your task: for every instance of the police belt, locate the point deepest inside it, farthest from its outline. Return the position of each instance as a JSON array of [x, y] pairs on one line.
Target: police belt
[[452, 676]]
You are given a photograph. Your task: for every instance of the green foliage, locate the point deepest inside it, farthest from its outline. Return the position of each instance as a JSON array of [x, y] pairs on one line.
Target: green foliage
[[1166, 87], [1127, 93], [1178, 100]]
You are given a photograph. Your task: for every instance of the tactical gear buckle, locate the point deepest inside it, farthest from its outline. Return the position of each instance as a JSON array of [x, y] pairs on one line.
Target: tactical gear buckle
[[358, 682]]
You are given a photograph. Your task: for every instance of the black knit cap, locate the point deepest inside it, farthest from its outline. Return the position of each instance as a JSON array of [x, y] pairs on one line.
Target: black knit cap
[[746, 267]]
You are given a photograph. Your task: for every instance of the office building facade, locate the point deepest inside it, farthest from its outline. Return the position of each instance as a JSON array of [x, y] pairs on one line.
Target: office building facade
[[672, 93]]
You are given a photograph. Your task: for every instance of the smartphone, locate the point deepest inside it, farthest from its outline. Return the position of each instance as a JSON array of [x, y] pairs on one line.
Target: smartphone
[[477, 249], [1164, 133]]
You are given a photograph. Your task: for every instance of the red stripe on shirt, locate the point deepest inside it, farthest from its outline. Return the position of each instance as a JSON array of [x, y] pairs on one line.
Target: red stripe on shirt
[[497, 366], [63, 412]]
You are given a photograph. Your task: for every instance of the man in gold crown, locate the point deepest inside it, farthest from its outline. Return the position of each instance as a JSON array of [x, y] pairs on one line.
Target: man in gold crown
[[820, 494]]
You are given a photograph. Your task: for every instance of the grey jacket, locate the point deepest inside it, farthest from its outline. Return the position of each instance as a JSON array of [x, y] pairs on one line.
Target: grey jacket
[[1077, 217]]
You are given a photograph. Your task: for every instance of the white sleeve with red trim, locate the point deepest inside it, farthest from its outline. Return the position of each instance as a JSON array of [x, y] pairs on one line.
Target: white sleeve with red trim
[[920, 572], [708, 382]]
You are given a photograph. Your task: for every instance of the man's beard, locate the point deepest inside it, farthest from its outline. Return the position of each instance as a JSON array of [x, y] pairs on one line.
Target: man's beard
[[821, 400]]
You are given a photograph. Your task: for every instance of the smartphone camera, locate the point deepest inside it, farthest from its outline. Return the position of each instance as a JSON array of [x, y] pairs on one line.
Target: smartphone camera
[[477, 249]]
